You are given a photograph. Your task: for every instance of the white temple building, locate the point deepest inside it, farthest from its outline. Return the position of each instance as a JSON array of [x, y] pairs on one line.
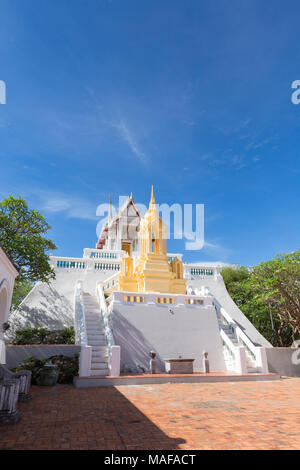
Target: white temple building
[[8, 273], [117, 329]]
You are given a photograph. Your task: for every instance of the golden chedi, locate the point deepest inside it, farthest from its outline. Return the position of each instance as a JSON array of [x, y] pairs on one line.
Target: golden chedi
[[152, 271]]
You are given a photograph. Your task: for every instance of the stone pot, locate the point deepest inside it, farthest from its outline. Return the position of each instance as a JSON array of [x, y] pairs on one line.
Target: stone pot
[[48, 375]]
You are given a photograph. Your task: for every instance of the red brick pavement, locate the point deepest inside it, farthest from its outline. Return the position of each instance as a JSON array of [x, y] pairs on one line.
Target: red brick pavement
[[240, 415]]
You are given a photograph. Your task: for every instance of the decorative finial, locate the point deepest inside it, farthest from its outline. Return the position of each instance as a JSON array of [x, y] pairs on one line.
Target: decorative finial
[[152, 201]]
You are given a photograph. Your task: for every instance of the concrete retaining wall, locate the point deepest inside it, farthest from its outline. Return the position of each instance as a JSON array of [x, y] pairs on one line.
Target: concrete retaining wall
[[184, 331], [284, 361], [16, 354]]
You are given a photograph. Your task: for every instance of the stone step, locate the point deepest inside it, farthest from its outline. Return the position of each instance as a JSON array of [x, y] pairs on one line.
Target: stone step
[[100, 372], [93, 320], [96, 326], [99, 364], [99, 359], [92, 326], [96, 338], [99, 348], [97, 343], [97, 335], [95, 330], [102, 357]]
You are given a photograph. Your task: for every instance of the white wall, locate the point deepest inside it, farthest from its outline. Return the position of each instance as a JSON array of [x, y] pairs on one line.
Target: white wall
[[52, 305], [218, 289], [8, 274], [190, 330]]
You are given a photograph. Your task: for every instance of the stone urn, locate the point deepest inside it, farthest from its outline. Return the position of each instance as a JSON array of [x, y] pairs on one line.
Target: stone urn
[[48, 375], [152, 354]]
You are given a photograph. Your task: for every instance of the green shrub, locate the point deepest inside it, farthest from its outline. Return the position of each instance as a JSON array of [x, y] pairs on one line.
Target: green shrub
[[45, 336], [67, 367]]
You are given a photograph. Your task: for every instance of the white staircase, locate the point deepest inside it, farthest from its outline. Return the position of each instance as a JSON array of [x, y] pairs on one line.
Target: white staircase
[[251, 364], [95, 335]]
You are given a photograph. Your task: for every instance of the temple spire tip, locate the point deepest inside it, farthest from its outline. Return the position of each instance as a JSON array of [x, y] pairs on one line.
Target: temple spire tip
[[152, 201]]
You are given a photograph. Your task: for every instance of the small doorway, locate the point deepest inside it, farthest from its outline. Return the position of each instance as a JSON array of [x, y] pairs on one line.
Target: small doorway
[[126, 246]]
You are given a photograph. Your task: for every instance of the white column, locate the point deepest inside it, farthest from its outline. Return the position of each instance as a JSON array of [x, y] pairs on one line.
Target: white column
[[241, 360], [85, 359], [2, 352], [115, 360], [261, 360]]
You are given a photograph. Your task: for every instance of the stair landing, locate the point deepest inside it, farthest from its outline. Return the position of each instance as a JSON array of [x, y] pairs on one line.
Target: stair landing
[[144, 379]]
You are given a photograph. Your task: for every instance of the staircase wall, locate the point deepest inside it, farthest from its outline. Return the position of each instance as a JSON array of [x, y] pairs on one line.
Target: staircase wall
[[218, 289], [138, 329]]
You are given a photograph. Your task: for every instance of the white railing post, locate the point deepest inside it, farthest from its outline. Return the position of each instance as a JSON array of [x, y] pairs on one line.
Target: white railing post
[[2, 352], [85, 357], [85, 361], [241, 360], [261, 358], [114, 351], [115, 360], [259, 353]]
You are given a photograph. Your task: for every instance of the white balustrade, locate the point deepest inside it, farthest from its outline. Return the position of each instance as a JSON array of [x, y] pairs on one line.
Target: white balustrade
[[163, 300], [81, 334], [114, 354], [257, 353], [103, 254]]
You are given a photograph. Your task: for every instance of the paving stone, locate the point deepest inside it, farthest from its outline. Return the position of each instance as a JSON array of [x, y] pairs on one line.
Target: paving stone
[[240, 415]]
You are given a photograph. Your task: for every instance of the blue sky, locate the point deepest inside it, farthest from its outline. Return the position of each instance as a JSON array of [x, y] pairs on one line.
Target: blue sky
[[193, 97]]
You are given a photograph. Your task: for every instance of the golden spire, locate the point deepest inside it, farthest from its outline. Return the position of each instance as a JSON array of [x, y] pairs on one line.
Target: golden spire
[[152, 201]]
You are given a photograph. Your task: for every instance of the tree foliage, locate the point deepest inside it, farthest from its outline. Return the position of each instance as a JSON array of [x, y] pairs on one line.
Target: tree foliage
[[269, 295], [22, 235], [21, 288], [277, 284], [45, 336]]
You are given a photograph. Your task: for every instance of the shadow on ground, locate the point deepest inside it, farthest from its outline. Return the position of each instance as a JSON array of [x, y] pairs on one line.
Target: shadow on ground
[[63, 417]]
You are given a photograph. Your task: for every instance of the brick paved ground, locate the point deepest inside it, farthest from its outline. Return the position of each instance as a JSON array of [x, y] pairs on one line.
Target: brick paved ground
[[246, 415]]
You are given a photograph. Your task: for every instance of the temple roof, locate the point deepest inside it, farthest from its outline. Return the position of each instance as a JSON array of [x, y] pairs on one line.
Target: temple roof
[[122, 212]]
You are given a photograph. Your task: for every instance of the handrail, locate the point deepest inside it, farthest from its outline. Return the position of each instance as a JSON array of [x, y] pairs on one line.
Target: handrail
[[110, 278], [239, 332], [79, 318], [104, 311], [246, 342], [230, 346]]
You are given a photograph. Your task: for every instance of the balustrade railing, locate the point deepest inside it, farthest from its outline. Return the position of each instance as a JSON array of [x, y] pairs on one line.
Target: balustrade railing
[[81, 333], [113, 350], [257, 354], [83, 263]]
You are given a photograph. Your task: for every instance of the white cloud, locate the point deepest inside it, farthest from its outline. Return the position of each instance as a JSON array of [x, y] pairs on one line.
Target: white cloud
[[127, 135], [217, 250], [72, 207]]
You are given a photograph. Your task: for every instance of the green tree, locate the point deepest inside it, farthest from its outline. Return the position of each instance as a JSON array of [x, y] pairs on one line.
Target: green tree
[[21, 289], [22, 235], [239, 285], [277, 284], [269, 295]]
